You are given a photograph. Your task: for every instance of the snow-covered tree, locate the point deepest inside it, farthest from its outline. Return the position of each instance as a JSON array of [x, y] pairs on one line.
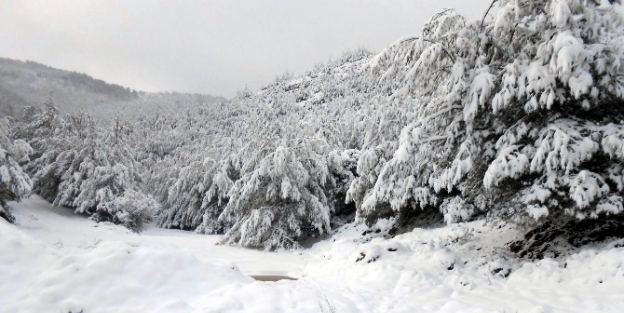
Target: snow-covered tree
[[38, 125], [516, 115], [192, 177], [93, 172], [198, 196], [279, 202], [14, 183], [210, 183]]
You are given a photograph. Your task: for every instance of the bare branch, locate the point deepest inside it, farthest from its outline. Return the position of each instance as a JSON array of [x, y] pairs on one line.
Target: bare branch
[[488, 12]]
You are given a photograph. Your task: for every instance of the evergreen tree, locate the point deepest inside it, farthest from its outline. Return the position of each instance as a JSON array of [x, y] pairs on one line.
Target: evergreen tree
[[93, 172], [520, 115], [14, 183], [280, 202]]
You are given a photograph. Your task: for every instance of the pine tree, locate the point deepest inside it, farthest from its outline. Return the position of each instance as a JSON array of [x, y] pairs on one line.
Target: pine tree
[[93, 172], [14, 183], [519, 115], [280, 202], [210, 183]]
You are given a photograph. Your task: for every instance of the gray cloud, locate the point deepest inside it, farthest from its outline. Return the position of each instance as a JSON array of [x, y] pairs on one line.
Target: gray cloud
[[215, 47]]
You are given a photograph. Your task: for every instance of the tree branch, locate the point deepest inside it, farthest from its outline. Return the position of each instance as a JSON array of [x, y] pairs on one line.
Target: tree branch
[[487, 12]]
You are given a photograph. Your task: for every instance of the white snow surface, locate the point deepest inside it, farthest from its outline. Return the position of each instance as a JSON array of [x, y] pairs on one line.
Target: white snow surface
[[55, 261]]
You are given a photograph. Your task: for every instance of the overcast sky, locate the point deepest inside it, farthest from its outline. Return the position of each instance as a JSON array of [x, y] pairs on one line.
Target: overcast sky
[[213, 47]]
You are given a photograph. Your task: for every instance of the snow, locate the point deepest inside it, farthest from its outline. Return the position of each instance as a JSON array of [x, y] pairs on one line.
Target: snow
[[561, 13], [55, 261]]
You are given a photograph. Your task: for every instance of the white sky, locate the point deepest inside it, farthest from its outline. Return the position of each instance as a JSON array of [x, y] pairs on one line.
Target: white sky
[[215, 47]]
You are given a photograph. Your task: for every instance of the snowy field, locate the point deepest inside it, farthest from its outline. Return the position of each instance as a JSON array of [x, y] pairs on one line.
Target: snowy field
[[55, 261]]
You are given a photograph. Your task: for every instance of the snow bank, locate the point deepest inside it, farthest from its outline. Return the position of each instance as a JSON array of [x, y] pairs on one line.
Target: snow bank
[[463, 268], [50, 262], [111, 277], [116, 277]]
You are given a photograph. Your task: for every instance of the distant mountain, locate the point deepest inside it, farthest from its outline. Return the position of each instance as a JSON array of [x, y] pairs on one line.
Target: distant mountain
[[30, 83]]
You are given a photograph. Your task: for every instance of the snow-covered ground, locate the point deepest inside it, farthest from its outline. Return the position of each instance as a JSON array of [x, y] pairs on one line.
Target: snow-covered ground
[[55, 261]]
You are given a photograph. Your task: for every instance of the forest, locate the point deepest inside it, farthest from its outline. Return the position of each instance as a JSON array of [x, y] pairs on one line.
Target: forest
[[518, 116]]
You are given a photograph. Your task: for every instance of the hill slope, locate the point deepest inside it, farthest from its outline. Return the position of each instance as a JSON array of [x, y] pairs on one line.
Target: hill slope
[[31, 83]]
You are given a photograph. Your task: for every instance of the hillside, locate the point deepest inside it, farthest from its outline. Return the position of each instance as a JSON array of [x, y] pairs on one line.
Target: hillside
[[443, 127], [474, 167], [30, 83]]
